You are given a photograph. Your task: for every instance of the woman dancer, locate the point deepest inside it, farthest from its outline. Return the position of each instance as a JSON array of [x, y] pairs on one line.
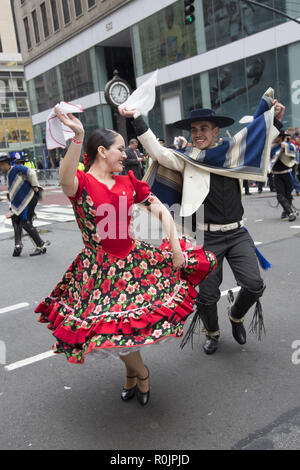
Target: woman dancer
[[119, 294]]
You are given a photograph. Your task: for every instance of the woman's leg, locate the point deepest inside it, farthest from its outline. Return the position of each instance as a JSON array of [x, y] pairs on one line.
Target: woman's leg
[[135, 367]]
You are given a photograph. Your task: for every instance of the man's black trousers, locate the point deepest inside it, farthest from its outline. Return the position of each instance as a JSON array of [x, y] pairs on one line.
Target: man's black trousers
[[237, 247]]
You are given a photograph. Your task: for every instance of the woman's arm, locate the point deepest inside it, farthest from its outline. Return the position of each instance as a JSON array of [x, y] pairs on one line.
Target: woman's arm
[[161, 212], [69, 165]]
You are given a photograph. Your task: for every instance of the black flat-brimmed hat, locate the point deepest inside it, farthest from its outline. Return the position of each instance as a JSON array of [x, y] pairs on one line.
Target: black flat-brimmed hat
[[4, 157], [203, 114], [283, 133]]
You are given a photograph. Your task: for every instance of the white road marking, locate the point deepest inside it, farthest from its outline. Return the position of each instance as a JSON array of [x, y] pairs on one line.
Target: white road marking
[[234, 289], [14, 307], [54, 216], [58, 210], [295, 226], [257, 243], [29, 360]]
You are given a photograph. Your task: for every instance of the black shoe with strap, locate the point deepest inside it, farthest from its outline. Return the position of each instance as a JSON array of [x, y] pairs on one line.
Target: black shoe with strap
[[143, 397], [128, 393]]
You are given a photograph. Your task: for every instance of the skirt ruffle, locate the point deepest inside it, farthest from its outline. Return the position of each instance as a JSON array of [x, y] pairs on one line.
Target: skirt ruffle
[[123, 303]]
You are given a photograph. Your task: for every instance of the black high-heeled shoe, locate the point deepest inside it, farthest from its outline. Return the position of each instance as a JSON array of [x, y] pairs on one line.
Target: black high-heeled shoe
[[128, 393], [143, 397]]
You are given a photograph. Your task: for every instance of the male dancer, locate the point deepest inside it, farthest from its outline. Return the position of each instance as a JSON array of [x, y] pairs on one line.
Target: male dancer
[[283, 160], [23, 189], [224, 234]]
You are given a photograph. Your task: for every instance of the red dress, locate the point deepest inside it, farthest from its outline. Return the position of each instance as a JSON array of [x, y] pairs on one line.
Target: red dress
[[119, 293]]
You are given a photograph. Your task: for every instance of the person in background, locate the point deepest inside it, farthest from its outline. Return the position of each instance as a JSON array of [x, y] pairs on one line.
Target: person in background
[[23, 193], [133, 159], [283, 156]]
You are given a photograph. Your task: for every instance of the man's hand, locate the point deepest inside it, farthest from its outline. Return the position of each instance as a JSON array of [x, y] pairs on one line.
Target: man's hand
[[128, 113], [279, 109], [9, 215]]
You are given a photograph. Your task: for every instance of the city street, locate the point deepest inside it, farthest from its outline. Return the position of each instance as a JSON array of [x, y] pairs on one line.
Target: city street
[[242, 397]]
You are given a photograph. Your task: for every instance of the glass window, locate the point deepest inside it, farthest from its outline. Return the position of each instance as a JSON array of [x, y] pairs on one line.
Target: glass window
[[288, 91], [187, 96], [209, 25], [27, 32], [20, 84], [233, 92], [260, 74], [1, 49], [91, 3], [228, 21], [46, 90], [256, 18], [163, 39], [3, 142], [25, 127], [78, 7], [11, 130], [5, 84], [22, 104], [66, 11], [35, 27], [76, 77], [54, 15], [7, 105], [155, 117], [45, 19], [89, 120]]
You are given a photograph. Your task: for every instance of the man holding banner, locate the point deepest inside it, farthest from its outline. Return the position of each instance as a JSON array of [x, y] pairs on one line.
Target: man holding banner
[[210, 175]]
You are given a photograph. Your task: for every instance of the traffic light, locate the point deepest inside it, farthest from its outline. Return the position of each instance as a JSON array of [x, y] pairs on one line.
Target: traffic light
[[188, 11]]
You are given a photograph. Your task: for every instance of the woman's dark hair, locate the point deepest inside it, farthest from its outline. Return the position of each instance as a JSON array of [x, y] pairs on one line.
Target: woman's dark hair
[[104, 137]]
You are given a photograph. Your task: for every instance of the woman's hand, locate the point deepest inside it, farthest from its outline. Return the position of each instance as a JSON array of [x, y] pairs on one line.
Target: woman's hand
[[178, 260], [72, 122]]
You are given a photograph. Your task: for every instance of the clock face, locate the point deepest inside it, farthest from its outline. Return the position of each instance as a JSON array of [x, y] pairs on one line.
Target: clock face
[[118, 93]]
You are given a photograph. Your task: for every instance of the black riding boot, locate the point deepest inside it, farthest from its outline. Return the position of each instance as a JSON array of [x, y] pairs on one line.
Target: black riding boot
[[243, 302], [209, 317]]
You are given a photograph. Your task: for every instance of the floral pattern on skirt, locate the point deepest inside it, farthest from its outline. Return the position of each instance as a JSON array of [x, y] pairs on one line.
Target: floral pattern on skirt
[[105, 302]]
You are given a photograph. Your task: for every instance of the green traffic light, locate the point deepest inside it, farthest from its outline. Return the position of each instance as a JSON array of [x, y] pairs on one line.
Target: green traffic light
[[189, 19]]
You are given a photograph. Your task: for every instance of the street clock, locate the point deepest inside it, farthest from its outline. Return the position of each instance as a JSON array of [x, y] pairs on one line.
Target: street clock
[[116, 91]]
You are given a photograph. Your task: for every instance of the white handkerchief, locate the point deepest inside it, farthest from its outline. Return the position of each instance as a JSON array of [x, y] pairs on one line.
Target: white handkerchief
[[56, 132], [143, 98]]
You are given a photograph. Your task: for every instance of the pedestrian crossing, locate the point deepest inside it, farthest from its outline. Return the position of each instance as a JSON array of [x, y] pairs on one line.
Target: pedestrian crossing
[[46, 214]]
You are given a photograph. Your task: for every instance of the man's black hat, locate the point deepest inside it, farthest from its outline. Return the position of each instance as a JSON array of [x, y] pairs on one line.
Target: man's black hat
[[203, 114], [4, 157], [283, 133]]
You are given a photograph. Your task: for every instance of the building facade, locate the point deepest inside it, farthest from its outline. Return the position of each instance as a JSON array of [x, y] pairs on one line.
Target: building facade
[[224, 60], [16, 132]]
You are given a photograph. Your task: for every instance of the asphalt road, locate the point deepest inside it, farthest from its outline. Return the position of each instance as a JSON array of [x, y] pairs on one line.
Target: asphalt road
[[242, 397]]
